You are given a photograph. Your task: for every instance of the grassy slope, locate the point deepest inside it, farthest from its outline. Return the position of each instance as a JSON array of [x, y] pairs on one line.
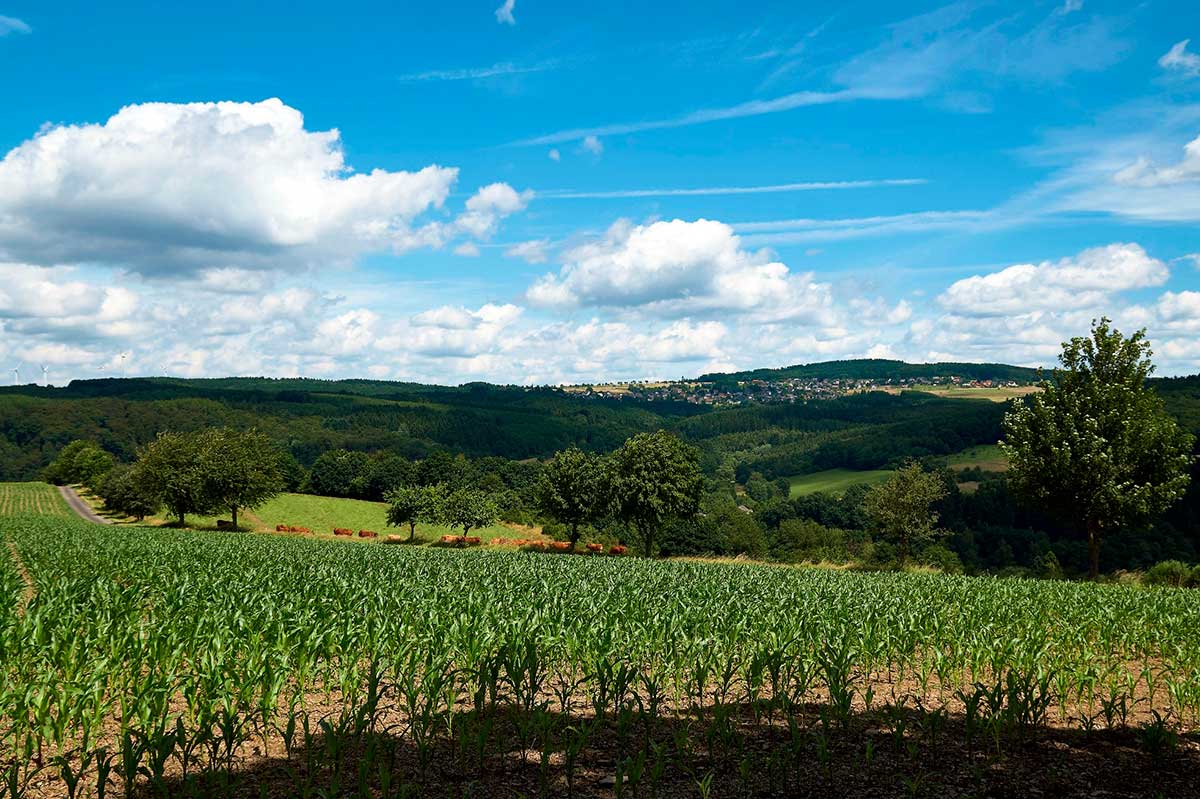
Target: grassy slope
[[322, 514], [834, 481], [987, 457]]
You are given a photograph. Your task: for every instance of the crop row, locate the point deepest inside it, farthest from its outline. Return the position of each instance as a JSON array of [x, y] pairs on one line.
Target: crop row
[[152, 655]]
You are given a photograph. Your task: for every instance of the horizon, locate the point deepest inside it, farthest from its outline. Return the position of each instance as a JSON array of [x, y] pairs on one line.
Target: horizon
[[523, 193]]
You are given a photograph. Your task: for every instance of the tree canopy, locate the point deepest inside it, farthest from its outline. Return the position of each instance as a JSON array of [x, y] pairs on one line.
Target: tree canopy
[[1095, 447], [656, 478], [573, 490], [900, 509]]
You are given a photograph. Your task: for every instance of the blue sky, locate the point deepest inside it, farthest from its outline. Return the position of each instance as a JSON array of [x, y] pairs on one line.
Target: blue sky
[[544, 192]]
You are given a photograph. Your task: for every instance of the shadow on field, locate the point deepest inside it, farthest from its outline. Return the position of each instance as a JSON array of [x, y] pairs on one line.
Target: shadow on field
[[887, 752]]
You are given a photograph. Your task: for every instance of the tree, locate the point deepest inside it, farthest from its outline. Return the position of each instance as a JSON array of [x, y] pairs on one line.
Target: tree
[[242, 469], [123, 492], [468, 508], [899, 509], [173, 467], [1095, 447], [338, 473], [80, 462], [655, 477], [572, 490], [412, 504]]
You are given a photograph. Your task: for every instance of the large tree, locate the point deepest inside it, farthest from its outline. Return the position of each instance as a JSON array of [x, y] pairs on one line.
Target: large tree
[[573, 490], [1095, 447], [173, 467], [655, 478], [243, 471], [900, 508], [81, 462]]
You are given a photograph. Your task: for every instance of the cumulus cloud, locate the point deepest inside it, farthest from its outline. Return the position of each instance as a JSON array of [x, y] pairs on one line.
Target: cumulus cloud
[[454, 331], [1080, 281], [1144, 174], [677, 268], [533, 251], [489, 205], [592, 144], [1178, 59], [163, 188]]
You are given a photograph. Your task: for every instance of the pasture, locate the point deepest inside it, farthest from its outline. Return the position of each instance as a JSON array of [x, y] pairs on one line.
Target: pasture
[[987, 457], [834, 481]]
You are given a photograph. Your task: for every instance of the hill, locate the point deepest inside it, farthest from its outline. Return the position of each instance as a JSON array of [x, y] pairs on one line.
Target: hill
[[881, 369]]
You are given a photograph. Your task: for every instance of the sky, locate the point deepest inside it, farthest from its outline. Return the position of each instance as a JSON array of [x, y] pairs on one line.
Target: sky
[[536, 192]]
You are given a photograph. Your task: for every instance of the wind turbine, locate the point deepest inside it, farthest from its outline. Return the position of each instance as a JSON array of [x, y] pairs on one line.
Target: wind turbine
[[16, 376], [124, 371], [45, 375]]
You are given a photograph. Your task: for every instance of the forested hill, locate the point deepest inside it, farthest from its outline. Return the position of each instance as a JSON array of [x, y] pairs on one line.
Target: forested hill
[[880, 369], [307, 417]]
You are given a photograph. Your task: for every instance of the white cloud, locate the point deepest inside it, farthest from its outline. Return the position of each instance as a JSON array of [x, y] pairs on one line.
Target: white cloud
[[467, 249], [533, 251], [349, 333], [554, 154], [679, 267], [592, 144], [454, 331], [162, 188], [706, 191], [1143, 174], [1178, 59], [504, 14], [497, 70], [1081, 281], [13, 25], [489, 205]]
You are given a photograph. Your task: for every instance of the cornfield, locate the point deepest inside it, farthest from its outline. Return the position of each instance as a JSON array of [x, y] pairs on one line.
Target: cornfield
[[153, 662], [37, 498]]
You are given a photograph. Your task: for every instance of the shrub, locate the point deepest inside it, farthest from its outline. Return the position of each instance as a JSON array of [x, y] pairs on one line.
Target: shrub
[[942, 559], [1196, 577], [1168, 572]]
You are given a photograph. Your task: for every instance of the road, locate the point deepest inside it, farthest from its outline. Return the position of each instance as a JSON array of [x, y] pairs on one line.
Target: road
[[80, 507]]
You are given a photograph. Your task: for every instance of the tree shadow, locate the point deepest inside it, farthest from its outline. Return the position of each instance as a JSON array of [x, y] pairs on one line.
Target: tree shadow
[[723, 751]]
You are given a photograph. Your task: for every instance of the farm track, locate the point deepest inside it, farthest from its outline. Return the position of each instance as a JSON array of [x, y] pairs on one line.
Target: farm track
[[81, 508]]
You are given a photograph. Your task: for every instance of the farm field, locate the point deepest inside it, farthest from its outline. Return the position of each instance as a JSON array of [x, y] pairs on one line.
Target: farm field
[[181, 663], [834, 481], [37, 498], [994, 394]]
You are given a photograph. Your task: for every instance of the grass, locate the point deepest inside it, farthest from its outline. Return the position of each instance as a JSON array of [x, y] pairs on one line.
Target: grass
[[834, 481], [322, 514], [40, 498], [987, 457]]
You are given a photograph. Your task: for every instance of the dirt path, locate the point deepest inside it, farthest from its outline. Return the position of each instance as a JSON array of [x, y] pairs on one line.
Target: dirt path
[[81, 508], [30, 587]]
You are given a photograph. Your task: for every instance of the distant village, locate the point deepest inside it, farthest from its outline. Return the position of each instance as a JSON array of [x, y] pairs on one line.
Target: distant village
[[782, 390]]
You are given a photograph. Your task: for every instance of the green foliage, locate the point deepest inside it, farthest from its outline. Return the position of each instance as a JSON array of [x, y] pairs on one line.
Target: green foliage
[[468, 508], [338, 473], [1095, 447], [79, 463], [900, 509], [242, 469], [655, 478], [411, 505], [173, 467], [941, 558], [574, 490], [798, 540], [123, 492], [1169, 572]]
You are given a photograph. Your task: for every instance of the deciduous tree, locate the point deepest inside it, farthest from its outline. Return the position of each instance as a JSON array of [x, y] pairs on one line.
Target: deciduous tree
[[1095, 447], [655, 477], [573, 490], [900, 509]]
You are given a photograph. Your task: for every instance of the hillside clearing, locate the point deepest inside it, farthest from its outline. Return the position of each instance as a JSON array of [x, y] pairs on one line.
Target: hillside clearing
[[834, 481]]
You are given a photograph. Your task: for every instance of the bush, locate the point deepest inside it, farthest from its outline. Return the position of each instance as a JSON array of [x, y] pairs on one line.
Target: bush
[[798, 540], [1049, 568], [1196, 577], [941, 558], [1168, 572]]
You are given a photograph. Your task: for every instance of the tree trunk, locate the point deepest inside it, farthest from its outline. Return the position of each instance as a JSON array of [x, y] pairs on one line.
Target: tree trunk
[[647, 541], [574, 535], [181, 521], [412, 530], [1093, 529], [233, 513]]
